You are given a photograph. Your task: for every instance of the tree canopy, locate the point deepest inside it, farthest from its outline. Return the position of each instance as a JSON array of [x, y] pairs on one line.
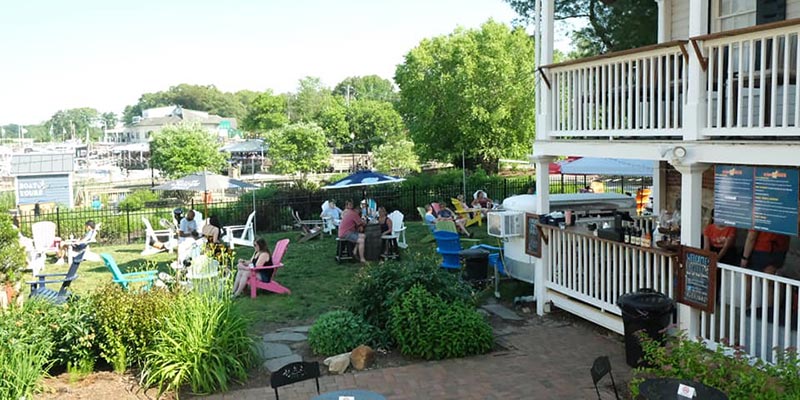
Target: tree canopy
[[194, 97], [74, 123], [397, 157], [624, 24], [471, 91], [184, 148], [266, 111], [299, 147], [311, 98], [370, 87]]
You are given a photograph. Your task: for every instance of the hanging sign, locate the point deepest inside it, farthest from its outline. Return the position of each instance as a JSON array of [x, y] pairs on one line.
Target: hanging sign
[[697, 279]]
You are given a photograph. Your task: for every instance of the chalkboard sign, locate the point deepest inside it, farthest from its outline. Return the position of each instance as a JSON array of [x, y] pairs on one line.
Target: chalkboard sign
[[697, 279], [533, 237]]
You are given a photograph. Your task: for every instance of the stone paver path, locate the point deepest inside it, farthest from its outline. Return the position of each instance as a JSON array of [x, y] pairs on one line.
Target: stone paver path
[[545, 359], [275, 350]]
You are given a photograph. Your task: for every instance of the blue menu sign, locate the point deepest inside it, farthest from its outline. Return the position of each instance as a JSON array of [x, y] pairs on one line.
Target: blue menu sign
[[775, 200], [762, 198], [733, 196]]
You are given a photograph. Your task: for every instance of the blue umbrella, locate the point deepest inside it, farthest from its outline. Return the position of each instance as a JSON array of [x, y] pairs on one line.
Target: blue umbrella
[[363, 178]]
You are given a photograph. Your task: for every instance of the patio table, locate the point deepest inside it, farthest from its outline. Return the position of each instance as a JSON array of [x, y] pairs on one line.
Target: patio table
[[353, 394], [667, 388]]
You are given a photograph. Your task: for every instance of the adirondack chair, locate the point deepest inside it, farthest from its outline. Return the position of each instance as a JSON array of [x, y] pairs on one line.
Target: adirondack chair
[[33, 259], [153, 235], [462, 211], [148, 277], [39, 289], [398, 229], [328, 223], [449, 246], [44, 237], [242, 235], [450, 226], [428, 238], [89, 255], [272, 285], [202, 273]]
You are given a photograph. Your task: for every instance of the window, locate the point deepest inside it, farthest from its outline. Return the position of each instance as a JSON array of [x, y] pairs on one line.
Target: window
[[735, 14]]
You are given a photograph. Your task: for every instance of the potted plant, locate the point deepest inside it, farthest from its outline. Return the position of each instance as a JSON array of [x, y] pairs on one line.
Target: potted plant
[[12, 261]]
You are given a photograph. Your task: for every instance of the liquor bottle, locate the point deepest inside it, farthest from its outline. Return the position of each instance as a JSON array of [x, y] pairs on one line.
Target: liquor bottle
[[646, 238], [636, 237], [655, 236], [627, 233]]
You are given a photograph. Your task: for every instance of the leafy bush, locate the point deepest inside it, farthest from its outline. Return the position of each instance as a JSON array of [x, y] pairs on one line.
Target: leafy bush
[[74, 331], [377, 286], [12, 255], [730, 370], [128, 322], [337, 332], [424, 325], [136, 201], [203, 343]]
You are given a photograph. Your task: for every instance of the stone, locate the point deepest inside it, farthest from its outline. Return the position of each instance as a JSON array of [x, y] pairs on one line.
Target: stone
[[284, 337], [483, 313], [278, 363], [297, 329], [526, 310], [502, 312], [270, 350], [338, 364], [362, 357]]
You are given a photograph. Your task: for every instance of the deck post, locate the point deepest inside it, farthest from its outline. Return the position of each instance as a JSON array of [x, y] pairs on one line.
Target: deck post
[[664, 20], [543, 205], [696, 112], [543, 111]]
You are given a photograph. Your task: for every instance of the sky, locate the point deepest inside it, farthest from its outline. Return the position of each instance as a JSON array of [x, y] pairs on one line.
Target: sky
[[106, 53]]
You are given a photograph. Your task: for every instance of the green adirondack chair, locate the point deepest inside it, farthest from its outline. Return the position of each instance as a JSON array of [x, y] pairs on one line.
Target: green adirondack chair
[[125, 279]]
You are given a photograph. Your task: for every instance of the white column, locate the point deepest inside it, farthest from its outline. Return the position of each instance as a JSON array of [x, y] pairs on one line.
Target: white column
[[691, 230], [543, 122], [695, 115], [543, 205], [659, 188], [664, 20]]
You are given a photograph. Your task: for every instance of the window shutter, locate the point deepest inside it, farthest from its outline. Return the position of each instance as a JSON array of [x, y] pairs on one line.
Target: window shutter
[[770, 11]]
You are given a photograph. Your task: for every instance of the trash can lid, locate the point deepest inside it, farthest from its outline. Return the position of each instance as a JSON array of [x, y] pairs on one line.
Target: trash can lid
[[474, 253], [645, 302]]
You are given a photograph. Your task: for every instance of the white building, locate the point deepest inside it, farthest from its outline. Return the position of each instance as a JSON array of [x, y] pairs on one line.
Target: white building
[[719, 89], [154, 119]]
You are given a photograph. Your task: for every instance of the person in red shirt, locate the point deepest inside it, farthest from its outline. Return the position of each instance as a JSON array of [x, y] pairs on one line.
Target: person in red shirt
[[720, 239], [348, 229], [764, 251]]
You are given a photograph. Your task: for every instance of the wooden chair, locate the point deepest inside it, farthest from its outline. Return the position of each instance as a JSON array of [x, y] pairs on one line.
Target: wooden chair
[[152, 235], [450, 226], [124, 280], [462, 211], [243, 235], [272, 285], [600, 368], [39, 289], [293, 373], [448, 245]]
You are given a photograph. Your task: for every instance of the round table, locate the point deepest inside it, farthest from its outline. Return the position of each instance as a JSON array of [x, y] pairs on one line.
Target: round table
[[354, 393], [667, 388]]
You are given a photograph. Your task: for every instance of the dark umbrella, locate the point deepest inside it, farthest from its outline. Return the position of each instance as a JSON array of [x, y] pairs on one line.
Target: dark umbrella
[[363, 178]]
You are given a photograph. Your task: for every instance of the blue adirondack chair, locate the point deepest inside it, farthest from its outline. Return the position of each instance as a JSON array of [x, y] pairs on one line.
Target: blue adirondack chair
[[449, 246], [39, 289], [495, 260], [124, 279]]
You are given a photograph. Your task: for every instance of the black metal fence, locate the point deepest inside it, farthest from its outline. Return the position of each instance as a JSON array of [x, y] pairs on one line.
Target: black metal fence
[[274, 213]]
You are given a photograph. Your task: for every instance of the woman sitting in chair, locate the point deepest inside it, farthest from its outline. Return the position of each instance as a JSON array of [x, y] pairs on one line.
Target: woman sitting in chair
[[386, 226], [212, 231], [261, 258]]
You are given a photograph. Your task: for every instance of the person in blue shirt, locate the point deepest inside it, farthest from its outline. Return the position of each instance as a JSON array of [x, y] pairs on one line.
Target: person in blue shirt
[[332, 211]]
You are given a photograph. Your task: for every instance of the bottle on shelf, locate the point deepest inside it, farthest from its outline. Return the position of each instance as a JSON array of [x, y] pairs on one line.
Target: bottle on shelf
[[627, 234], [646, 238]]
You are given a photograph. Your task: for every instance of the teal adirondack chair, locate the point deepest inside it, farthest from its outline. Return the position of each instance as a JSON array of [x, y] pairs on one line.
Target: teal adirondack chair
[[124, 279]]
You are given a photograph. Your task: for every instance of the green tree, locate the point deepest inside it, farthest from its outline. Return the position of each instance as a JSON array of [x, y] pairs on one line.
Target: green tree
[[613, 25], [333, 120], [370, 87], [266, 111], [397, 157], [74, 123], [181, 149], [471, 91], [373, 123], [109, 119], [300, 147], [311, 99], [193, 97]]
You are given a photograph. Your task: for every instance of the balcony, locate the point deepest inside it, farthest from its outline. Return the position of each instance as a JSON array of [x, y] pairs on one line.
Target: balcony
[[747, 88]]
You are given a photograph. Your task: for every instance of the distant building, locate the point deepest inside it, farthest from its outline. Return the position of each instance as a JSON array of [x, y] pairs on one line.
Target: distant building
[[155, 119], [44, 178]]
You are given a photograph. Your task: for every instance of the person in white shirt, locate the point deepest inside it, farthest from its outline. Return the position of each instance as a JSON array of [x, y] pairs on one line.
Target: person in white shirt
[[332, 211], [188, 226]]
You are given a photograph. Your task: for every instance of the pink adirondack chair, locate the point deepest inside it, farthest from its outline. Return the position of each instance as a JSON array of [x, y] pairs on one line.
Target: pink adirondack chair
[[272, 285]]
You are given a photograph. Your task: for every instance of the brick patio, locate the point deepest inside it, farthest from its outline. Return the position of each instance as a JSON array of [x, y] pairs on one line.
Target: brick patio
[[546, 359]]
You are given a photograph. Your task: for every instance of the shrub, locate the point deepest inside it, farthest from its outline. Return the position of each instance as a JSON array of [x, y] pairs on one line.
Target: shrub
[[730, 370], [203, 343], [74, 332], [377, 286], [337, 332], [128, 321], [12, 255], [25, 346], [425, 326], [136, 200]]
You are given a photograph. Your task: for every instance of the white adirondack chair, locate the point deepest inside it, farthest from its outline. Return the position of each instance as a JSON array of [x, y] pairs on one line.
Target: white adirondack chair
[[44, 238], [398, 228], [242, 235], [329, 225], [150, 233], [88, 254], [33, 258]]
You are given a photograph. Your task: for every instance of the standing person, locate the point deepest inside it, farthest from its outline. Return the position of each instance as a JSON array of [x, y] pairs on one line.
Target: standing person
[[348, 229], [720, 239], [763, 252], [261, 258]]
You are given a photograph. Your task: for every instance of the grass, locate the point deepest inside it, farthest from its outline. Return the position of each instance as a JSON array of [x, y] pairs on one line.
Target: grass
[[317, 282]]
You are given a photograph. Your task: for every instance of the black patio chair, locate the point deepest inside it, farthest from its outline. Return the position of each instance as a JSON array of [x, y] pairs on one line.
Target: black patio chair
[[293, 373], [600, 368], [40, 290]]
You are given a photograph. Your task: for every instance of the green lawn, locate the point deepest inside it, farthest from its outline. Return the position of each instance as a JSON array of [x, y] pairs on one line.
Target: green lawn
[[317, 282]]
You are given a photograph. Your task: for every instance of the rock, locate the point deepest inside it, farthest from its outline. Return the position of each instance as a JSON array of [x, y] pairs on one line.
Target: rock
[[483, 313], [277, 363], [338, 364], [297, 329], [362, 357], [526, 310], [284, 337], [269, 350]]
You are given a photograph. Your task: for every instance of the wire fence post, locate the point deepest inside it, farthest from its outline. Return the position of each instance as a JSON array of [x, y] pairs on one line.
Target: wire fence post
[[414, 196], [128, 224], [58, 222]]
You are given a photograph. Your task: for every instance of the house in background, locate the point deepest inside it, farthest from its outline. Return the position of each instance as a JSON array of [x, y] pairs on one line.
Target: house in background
[[714, 104], [155, 119], [43, 178]]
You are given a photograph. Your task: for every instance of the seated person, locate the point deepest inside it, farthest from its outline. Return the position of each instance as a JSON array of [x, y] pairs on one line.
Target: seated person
[[335, 213], [212, 231], [188, 227], [386, 226], [430, 217], [445, 214], [482, 201], [80, 245], [261, 258], [349, 229]]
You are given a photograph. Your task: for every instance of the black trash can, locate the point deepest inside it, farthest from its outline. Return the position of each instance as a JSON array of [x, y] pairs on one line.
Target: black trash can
[[646, 310], [476, 263]]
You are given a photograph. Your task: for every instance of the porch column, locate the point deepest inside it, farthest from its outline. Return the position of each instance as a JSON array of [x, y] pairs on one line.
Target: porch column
[[691, 230], [659, 188], [695, 115], [664, 20], [543, 93], [543, 205]]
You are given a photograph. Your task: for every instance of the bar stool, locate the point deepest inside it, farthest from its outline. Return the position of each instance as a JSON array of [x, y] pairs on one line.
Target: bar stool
[[344, 250], [390, 243]]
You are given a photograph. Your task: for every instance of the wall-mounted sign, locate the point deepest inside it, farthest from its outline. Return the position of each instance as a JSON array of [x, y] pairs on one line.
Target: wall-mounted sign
[[533, 237], [697, 279], [43, 189], [762, 198]]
